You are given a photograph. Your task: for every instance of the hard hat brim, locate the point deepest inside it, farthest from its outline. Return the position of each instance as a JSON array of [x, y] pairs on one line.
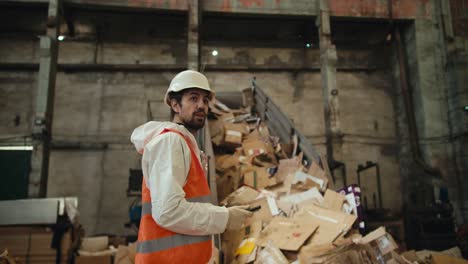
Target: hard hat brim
[[168, 102]]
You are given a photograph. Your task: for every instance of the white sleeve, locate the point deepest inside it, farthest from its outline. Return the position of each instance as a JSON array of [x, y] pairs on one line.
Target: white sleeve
[[167, 172]]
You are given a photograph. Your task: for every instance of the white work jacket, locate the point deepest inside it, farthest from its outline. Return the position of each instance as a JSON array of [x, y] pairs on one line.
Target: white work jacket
[[165, 164]]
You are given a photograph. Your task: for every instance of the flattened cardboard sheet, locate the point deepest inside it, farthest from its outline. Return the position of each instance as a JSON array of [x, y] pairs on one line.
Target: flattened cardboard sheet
[[286, 234], [333, 200], [259, 178], [332, 224], [242, 196], [316, 171]]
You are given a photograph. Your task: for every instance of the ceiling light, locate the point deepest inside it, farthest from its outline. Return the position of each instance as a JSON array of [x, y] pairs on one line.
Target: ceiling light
[[214, 53], [16, 147], [308, 45], [61, 38]]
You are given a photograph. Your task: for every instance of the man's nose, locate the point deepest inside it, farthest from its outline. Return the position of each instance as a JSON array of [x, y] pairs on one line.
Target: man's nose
[[202, 105]]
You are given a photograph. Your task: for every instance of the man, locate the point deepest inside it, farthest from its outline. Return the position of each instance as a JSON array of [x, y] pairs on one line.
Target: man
[[177, 219]]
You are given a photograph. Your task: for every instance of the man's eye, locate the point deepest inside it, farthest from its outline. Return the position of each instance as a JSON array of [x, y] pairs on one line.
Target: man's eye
[[194, 99]]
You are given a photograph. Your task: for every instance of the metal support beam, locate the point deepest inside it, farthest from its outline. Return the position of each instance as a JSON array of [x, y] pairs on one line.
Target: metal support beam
[[174, 5], [44, 103], [193, 41], [402, 9], [328, 65]]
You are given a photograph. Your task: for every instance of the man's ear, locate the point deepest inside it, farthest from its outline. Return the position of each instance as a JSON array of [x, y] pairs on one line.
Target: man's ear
[[175, 106]]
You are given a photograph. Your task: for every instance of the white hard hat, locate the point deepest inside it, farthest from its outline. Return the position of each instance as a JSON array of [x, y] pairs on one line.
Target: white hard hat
[[186, 80]]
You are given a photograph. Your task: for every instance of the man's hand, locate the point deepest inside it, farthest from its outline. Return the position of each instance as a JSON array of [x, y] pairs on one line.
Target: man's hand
[[237, 216]]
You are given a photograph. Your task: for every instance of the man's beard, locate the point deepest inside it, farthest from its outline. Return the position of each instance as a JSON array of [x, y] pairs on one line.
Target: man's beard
[[193, 124]]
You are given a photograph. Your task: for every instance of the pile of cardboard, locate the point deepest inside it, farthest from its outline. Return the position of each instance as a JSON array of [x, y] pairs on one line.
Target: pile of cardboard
[[33, 245], [299, 219]]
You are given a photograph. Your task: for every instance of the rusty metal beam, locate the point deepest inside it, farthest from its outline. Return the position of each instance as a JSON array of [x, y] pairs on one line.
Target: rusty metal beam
[[175, 5], [269, 7], [181, 5], [380, 9], [401, 9]]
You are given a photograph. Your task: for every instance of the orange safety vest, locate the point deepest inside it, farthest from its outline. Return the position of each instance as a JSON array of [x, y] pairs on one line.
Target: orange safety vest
[[159, 245]]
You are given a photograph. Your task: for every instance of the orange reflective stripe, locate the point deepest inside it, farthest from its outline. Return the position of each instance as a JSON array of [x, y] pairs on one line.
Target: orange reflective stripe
[[165, 243], [199, 253]]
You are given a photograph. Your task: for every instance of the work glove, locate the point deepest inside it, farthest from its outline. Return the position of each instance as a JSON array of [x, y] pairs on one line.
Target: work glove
[[237, 216]]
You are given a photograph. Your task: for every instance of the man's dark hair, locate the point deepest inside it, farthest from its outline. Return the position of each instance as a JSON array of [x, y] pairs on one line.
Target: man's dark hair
[[176, 96]]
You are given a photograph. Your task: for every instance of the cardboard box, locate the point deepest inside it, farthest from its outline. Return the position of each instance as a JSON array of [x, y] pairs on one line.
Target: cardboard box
[[254, 147], [93, 260], [242, 196], [247, 248], [287, 234], [264, 214], [227, 117], [445, 259], [347, 254], [427, 254], [285, 174], [224, 162], [381, 242], [271, 254], [227, 182], [259, 178], [333, 200], [231, 241], [216, 131], [300, 176], [311, 196], [316, 171], [34, 243], [233, 133], [333, 224], [410, 256]]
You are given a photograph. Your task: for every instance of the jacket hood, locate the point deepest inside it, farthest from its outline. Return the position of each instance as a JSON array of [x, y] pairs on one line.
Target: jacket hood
[[144, 133]]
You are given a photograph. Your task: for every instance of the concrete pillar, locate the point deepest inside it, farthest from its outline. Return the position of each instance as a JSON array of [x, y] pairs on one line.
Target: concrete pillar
[[428, 72], [458, 117], [44, 103], [193, 43], [328, 64]]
